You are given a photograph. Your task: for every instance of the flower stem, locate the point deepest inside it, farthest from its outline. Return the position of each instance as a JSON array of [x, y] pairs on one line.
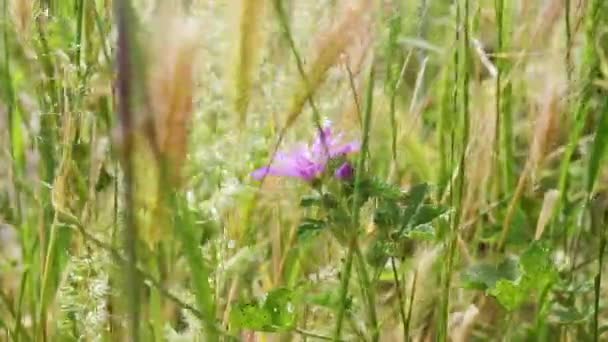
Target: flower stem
[[346, 271], [400, 298], [369, 291]]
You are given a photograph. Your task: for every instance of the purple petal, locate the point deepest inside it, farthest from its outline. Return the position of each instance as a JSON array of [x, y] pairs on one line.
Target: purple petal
[[323, 138], [283, 165], [308, 169], [341, 150], [296, 164], [260, 173], [345, 172], [273, 171]]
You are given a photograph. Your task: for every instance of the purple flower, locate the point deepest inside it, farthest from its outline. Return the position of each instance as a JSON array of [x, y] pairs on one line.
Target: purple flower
[[345, 172], [308, 162]]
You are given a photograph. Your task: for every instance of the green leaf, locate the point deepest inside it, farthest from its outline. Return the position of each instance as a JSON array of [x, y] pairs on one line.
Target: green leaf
[[309, 227], [511, 294], [425, 214], [575, 288], [413, 200], [250, 316], [323, 294], [600, 141], [377, 188], [326, 200], [387, 214], [276, 313], [513, 281], [485, 276], [379, 251], [425, 232], [310, 201], [568, 315], [535, 259], [537, 265], [279, 304], [416, 195], [17, 140]]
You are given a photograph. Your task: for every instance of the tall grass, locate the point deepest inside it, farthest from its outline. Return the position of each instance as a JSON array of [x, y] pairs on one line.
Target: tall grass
[[128, 210]]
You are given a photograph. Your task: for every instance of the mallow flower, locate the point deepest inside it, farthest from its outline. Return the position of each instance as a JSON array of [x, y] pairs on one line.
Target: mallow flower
[[309, 161]]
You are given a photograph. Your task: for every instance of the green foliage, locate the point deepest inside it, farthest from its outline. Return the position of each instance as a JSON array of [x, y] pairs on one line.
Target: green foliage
[[462, 108], [569, 315], [537, 266], [310, 227], [407, 214], [484, 276], [511, 294], [277, 312], [514, 279]]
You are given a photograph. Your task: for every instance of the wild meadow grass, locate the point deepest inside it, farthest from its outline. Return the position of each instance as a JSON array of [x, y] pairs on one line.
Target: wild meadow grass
[[278, 170]]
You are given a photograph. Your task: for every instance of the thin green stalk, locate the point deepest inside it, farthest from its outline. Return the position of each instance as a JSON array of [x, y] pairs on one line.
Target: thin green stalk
[[102, 34], [355, 215], [15, 141], [591, 71], [305, 334], [597, 289], [392, 79], [444, 309], [453, 235], [155, 303], [598, 205], [353, 89], [410, 307], [541, 313], [46, 146], [465, 99], [600, 144], [504, 127], [568, 33], [79, 34], [48, 120], [399, 298], [186, 231], [356, 202], [125, 60], [49, 261], [18, 313], [507, 137], [345, 278], [368, 287], [599, 210], [393, 110], [444, 128], [499, 9], [503, 140]]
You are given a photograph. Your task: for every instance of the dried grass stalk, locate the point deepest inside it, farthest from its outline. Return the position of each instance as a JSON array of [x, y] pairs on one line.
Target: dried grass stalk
[[546, 131], [171, 90], [549, 201], [250, 15], [22, 13], [329, 48]]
